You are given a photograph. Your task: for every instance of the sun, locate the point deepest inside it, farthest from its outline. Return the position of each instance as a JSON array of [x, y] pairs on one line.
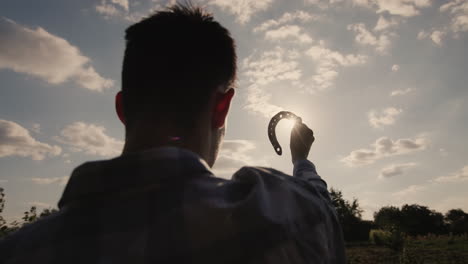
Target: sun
[[288, 124], [285, 126]]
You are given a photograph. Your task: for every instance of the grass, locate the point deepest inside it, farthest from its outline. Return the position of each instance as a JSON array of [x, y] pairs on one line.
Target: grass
[[424, 250]]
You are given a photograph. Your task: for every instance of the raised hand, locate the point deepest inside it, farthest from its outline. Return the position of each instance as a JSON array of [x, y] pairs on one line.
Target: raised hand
[[301, 140]]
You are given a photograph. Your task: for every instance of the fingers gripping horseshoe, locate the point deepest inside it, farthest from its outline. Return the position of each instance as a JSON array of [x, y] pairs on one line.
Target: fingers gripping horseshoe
[[272, 128]]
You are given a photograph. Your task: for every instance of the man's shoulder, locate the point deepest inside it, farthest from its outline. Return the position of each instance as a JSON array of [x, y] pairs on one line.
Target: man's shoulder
[[262, 169], [271, 176], [248, 172]]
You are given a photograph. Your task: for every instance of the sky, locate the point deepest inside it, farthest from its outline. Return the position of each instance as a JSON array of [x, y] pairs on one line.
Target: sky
[[383, 84]]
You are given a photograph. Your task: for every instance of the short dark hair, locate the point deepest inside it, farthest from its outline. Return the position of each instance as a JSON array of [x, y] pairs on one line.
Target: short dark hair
[[173, 62]]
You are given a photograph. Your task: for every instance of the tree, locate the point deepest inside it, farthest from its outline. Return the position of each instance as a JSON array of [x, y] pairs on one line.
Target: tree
[[3, 225], [32, 215], [346, 211], [388, 218], [2, 204], [457, 221], [420, 220], [411, 219], [455, 215], [6, 228], [29, 217], [47, 212], [349, 215]]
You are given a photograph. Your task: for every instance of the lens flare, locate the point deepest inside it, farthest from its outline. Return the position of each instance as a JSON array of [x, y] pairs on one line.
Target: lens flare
[[286, 125]]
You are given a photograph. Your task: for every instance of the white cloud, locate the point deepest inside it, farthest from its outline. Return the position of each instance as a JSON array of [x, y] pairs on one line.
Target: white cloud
[[16, 140], [120, 9], [110, 8], [299, 16], [122, 3], [395, 68], [39, 204], [270, 66], [279, 64], [395, 170], [263, 69], [459, 14], [386, 117], [405, 8], [49, 57], [459, 176], [36, 128], [410, 191], [436, 36], [90, 139], [384, 24], [233, 155], [53, 180], [385, 147], [364, 3], [422, 34], [365, 37], [320, 52], [318, 3], [400, 92], [107, 9], [258, 101], [327, 63], [451, 5], [244, 9], [288, 32], [460, 23], [324, 4], [66, 157]]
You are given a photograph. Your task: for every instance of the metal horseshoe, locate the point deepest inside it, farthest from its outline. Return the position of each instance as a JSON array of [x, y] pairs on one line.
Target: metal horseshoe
[[272, 128]]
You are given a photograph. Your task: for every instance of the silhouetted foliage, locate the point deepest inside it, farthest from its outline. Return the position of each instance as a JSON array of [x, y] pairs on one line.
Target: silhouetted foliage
[[388, 218], [3, 225], [345, 209], [349, 215], [29, 216], [420, 220], [457, 221], [411, 219], [47, 212]]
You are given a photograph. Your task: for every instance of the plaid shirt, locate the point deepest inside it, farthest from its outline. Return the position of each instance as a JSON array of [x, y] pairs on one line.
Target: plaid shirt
[[165, 206]]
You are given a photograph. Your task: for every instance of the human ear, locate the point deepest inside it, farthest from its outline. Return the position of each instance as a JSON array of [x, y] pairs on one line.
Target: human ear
[[221, 108], [119, 106]]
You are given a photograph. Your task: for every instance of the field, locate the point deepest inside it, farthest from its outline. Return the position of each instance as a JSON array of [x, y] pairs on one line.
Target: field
[[427, 250]]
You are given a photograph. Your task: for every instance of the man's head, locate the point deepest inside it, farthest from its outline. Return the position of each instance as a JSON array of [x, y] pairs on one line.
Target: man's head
[[178, 72]]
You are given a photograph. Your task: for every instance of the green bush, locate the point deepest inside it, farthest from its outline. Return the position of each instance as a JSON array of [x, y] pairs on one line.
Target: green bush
[[379, 237], [394, 240]]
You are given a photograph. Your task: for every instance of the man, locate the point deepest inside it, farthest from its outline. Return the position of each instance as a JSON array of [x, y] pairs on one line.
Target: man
[[159, 202]]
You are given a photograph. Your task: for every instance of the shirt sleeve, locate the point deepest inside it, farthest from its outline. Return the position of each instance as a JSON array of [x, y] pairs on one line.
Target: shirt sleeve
[[301, 205], [305, 169]]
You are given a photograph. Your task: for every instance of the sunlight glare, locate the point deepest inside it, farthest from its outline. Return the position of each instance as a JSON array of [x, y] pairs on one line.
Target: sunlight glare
[[286, 125]]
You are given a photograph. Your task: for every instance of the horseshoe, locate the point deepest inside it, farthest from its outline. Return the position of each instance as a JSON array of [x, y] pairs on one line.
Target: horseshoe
[[272, 128]]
